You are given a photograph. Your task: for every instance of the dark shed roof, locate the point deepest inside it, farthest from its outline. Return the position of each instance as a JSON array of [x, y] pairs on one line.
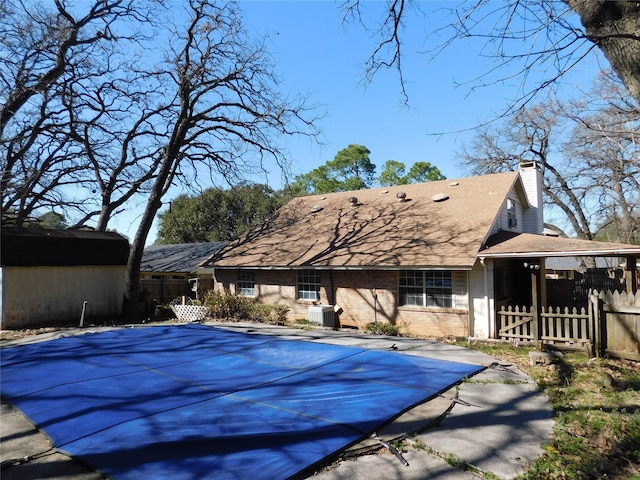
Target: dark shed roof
[[41, 247], [178, 257]]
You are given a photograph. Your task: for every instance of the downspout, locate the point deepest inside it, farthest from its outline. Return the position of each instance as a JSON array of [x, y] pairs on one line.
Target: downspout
[[374, 294], [332, 299]]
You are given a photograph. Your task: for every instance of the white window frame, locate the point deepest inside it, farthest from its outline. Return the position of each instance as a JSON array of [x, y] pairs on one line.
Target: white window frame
[[426, 288], [246, 283], [308, 285], [512, 214]]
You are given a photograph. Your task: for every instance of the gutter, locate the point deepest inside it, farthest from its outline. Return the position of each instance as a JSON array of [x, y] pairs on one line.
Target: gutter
[[339, 267], [564, 253]]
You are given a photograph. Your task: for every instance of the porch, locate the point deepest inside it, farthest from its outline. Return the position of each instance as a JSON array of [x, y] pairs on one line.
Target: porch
[[598, 314]]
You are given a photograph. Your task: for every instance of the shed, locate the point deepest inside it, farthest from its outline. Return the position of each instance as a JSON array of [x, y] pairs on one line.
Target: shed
[[52, 277]]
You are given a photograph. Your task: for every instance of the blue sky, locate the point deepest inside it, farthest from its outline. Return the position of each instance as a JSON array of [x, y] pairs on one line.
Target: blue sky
[[316, 53]]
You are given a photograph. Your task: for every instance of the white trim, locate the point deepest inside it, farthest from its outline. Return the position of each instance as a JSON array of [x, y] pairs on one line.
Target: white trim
[[566, 253]]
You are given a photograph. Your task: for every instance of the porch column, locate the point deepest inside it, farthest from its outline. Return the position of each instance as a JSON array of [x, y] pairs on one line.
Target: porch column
[[538, 294], [543, 283], [535, 304]]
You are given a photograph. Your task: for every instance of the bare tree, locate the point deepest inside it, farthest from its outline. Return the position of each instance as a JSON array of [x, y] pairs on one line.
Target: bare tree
[[614, 26], [134, 110], [49, 58], [40, 47], [223, 110], [546, 35], [604, 154], [530, 135], [588, 152]]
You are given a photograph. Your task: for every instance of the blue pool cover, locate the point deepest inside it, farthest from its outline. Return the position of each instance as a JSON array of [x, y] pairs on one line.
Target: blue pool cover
[[198, 402]]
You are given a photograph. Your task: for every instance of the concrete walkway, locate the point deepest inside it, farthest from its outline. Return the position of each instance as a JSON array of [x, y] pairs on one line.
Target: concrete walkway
[[493, 423]]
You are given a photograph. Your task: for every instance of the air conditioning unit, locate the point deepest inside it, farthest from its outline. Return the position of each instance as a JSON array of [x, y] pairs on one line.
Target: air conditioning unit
[[322, 315]]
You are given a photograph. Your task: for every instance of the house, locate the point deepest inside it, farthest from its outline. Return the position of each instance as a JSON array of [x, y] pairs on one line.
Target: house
[[58, 277], [427, 257], [573, 277], [572, 268], [170, 271]]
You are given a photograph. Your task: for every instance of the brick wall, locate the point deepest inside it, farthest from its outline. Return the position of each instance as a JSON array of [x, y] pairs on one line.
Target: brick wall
[[372, 296], [363, 297]]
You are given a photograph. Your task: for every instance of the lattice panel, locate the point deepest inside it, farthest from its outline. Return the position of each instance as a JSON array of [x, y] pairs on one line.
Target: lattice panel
[[190, 313]]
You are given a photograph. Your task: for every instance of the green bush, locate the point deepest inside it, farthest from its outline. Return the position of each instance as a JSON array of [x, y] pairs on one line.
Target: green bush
[[274, 314], [227, 305], [231, 306], [382, 328]]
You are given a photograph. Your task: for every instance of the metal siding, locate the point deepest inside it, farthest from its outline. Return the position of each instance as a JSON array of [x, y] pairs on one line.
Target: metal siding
[[533, 221], [48, 296]]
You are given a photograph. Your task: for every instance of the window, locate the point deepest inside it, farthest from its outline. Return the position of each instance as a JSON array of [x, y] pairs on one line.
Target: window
[[308, 285], [246, 283], [426, 289], [512, 219]]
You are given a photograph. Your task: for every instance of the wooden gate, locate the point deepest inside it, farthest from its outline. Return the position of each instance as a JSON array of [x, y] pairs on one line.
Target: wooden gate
[[517, 324], [609, 326], [561, 327]]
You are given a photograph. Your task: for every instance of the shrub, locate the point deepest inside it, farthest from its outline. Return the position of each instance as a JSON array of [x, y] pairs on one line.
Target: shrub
[[227, 305], [231, 306], [382, 328], [163, 312], [280, 313], [259, 313], [187, 301], [274, 314]]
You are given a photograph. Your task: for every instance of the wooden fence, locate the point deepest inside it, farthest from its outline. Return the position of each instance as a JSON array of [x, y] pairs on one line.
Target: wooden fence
[[610, 325], [163, 290], [555, 325], [516, 324], [618, 314]]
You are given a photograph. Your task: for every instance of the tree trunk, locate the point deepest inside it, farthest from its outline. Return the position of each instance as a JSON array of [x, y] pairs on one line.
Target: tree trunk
[[614, 25], [131, 306]]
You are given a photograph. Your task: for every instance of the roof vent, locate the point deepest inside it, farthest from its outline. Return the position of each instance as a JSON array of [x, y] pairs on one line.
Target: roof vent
[[440, 197], [316, 209], [401, 196], [384, 192], [353, 201], [454, 184]]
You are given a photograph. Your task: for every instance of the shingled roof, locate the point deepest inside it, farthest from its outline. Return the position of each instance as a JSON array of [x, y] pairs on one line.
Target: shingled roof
[[507, 244], [439, 224], [177, 257]]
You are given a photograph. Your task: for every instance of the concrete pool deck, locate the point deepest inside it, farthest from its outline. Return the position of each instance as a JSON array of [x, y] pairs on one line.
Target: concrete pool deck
[[495, 422]]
